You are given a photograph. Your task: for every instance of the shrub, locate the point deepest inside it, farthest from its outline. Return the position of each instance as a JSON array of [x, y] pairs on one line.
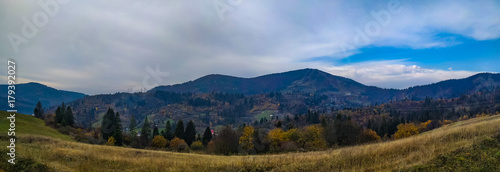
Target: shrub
[[289, 146], [111, 141], [211, 147], [159, 142], [176, 142], [368, 135], [183, 147], [197, 145]]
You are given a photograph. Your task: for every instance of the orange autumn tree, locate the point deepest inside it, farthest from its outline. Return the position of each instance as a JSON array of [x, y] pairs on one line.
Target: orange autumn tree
[[406, 130]]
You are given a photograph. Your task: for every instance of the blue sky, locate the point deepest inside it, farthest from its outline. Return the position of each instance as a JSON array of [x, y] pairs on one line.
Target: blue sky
[[469, 55], [97, 46]]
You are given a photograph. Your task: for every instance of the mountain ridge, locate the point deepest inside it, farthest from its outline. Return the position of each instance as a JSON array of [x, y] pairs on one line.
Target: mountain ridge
[[28, 94]]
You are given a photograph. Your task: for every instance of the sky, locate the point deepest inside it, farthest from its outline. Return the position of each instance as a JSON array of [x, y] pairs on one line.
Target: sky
[[98, 47]]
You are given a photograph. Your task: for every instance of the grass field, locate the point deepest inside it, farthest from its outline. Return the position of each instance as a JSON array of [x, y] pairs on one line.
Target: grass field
[[62, 155], [26, 124]]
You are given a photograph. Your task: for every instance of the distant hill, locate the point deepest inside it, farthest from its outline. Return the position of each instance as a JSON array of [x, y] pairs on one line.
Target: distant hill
[[319, 82], [28, 94], [222, 99], [304, 80], [482, 82]]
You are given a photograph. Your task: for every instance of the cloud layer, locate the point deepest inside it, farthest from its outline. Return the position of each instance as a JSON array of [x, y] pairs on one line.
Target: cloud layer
[[107, 46]]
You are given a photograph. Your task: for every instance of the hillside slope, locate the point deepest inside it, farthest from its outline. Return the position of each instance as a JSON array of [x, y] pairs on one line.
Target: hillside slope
[[387, 156], [27, 95], [29, 125]]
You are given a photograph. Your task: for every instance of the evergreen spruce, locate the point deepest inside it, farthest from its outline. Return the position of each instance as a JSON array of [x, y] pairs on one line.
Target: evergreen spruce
[[207, 136], [38, 112], [190, 133], [145, 139], [179, 130], [117, 134], [108, 124], [68, 119], [168, 131], [155, 131]]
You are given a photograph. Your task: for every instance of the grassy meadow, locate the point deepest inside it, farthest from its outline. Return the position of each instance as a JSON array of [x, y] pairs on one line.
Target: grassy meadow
[[58, 153]]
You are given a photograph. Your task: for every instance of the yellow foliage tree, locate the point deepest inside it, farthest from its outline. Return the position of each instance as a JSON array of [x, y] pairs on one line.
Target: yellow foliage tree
[[292, 135], [312, 138], [159, 142], [406, 130], [111, 141], [246, 139], [276, 136], [422, 127]]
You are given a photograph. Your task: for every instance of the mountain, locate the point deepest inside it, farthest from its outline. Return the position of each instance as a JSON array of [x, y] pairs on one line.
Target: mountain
[[482, 82], [319, 82], [304, 80], [221, 99], [28, 94]]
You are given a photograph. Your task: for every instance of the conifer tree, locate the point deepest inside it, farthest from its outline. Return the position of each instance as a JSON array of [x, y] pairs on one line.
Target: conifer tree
[[60, 113], [207, 136], [155, 131], [179, 130], [117, 134], [132, 126], [146, 131], [108, 124], [190, 133], [38, 112], [168, 131], [68, 119]]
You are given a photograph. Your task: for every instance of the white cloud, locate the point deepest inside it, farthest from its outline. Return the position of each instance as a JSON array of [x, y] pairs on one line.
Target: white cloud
[[394, 74], [104, 46]]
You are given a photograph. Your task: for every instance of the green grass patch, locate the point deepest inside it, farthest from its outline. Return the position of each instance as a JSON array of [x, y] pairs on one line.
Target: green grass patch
[[27, 124], [266, 114], [482, 156], [98, 123]]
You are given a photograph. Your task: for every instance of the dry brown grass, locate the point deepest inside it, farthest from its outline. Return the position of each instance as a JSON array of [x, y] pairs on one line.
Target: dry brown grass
[[388, 156]]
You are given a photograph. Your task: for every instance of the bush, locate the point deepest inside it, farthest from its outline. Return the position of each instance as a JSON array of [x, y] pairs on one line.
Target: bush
[[289, 146], [174, 144], [211, 147], [368, 136], [183, 147], [159, 142], [197, 146], [111, 141]]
